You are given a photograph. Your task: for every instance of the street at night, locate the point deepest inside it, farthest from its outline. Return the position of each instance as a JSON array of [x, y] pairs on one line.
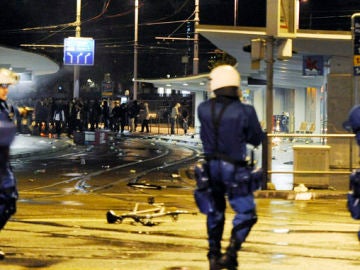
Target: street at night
[[64, 197], [109, 104]]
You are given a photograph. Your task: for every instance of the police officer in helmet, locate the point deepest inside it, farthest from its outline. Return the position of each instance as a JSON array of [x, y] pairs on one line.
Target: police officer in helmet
[[352, 124], [8, 189], [227, 126]]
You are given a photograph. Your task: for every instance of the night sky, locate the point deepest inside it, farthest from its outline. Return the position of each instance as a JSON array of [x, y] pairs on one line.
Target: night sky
[[111, 24]]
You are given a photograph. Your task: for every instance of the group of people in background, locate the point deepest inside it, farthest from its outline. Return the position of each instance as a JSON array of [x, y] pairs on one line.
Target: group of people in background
[[56, 117], [50, 117]]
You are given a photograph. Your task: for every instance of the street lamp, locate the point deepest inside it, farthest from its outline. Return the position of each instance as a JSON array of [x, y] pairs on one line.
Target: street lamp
[[235, 11], [77, 34], [135, 48], [196, 40]]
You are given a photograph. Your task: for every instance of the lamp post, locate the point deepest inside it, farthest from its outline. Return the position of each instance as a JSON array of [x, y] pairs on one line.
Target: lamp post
[[136, 49], [196, 40], [77, 34], [235, 11]]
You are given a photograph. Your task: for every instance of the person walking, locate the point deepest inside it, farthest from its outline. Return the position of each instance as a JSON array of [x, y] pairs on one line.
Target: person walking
[[226, 126], [58, 119], [123, 116], [145, 116], [185, 120], [134, 111], [174, 116], [116, 116], [41, 118], [76, 118], [94, 114], [8, 185], [105, 114]]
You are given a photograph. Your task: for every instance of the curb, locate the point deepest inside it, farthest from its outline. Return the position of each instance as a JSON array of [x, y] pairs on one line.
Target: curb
[[301, 196], [55, 147]]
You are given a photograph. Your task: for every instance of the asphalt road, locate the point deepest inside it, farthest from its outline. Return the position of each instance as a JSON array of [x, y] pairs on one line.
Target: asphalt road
[[71, 232], [63, 227]]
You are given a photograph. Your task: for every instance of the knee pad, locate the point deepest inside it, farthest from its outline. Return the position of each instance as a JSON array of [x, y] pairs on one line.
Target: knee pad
[[244, 228]]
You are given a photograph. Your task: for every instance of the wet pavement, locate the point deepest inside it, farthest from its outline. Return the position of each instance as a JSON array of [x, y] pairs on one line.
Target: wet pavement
[[312, 230], [26, 145], [71, 232]]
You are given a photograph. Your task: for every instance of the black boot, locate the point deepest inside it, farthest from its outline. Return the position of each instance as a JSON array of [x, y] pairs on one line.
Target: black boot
[[229, 259], [214, 257]]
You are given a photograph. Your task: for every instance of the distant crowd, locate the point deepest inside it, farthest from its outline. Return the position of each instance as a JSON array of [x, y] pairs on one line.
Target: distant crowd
[[53, 117], [47, 116]]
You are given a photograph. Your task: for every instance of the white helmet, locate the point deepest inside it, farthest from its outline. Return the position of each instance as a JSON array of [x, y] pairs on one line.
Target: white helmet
[[8, 77], [224, 76]]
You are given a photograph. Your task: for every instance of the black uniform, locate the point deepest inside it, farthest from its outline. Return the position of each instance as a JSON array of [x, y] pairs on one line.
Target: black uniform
[[8, 190]]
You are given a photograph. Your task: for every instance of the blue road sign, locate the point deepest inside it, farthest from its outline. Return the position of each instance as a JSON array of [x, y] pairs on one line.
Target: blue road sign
[[79, 51]]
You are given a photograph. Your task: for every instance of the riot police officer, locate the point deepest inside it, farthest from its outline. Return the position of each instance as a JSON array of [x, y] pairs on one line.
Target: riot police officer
[[8, 189], [227, 125], [353, 203]]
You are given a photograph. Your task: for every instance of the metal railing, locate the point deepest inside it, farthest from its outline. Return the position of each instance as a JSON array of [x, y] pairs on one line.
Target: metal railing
[[293, 139]]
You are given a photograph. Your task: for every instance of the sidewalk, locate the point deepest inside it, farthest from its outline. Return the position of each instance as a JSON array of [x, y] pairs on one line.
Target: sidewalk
[[26, 145]]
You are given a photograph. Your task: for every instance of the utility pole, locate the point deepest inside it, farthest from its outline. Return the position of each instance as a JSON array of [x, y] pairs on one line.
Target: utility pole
[[135, 90], [281, 24], [236, 4], [77, 34], [269, 97], [196, 40]]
